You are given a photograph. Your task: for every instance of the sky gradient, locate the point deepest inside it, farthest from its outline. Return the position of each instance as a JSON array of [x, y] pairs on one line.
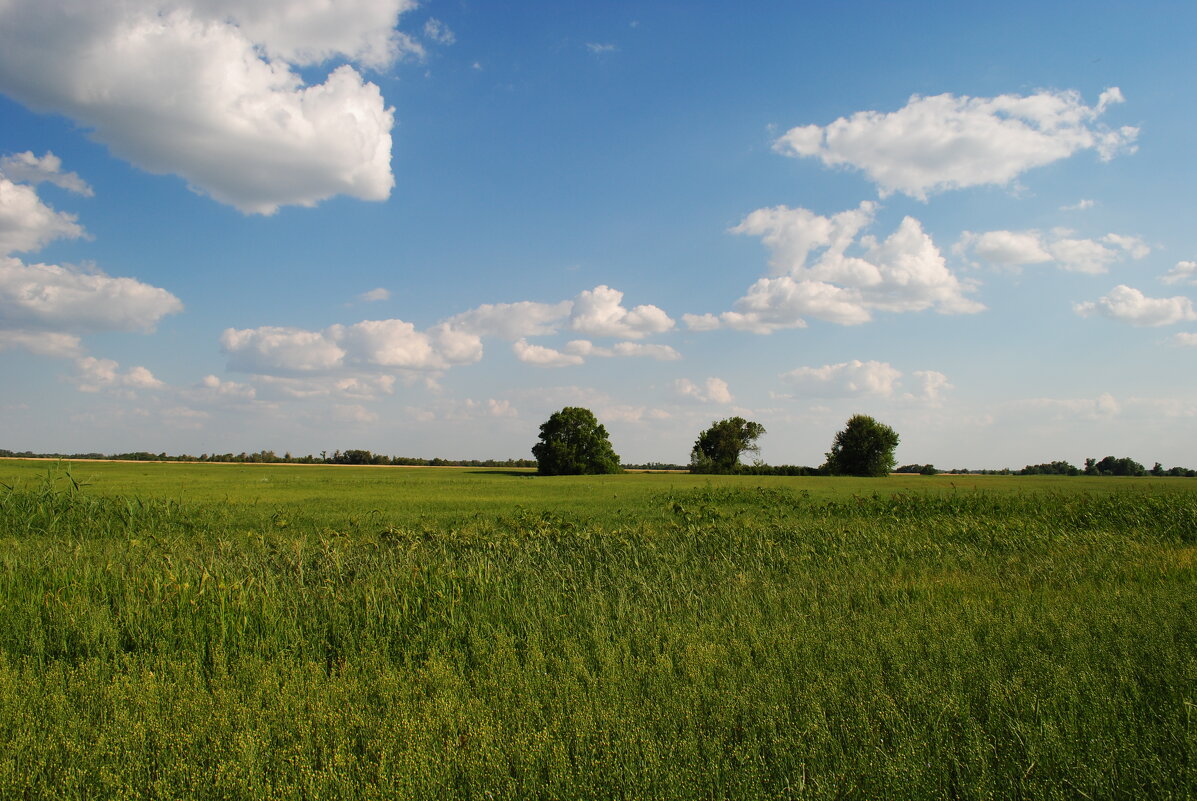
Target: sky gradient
[[420, 229]]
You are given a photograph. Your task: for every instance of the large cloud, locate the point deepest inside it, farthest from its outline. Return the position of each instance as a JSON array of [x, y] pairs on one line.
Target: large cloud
[[370, 345], [933, 144], [45, 307], [1017, 248], [600, 312], [207, 89], [48, 297], [1129, 305], [814, 275], [512, 320]]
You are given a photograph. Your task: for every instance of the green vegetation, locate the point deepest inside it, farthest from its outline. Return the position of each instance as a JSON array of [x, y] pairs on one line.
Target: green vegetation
[[574, 443], [864, 448], [718, 448], [341, 632]]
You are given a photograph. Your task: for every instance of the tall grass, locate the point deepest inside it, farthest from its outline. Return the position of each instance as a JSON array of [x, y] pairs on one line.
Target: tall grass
[[737, 642]]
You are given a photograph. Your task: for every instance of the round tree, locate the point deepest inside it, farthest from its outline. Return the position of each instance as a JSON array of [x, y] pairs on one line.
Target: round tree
[[864, 448], [573, 442], [718, 448]]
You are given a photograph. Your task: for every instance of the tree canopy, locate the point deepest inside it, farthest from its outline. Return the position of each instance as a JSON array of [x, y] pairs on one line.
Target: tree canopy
[[864, 448], [573, 442], [718, 448]]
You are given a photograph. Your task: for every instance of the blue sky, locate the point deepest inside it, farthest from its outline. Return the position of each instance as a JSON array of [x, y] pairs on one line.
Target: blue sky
[[420, 229]]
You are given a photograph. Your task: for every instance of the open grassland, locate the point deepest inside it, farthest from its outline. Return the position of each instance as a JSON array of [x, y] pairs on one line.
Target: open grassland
[[252, 631]]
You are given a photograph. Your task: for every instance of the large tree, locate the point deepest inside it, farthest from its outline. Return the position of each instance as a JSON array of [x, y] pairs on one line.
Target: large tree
[[718, 448], [573, 442], [864, 448]]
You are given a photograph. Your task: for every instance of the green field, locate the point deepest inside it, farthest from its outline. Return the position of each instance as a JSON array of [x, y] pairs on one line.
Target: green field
[[257, 631]]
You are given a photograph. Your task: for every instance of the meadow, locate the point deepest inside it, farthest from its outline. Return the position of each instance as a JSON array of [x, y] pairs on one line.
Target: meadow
[[257, 631]]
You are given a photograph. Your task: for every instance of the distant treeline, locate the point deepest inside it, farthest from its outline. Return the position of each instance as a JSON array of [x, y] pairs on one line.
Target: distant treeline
[[358, 457], [1108, 466]]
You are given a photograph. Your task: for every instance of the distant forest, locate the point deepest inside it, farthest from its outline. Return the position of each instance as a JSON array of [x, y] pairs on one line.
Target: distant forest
[[1108, 466]]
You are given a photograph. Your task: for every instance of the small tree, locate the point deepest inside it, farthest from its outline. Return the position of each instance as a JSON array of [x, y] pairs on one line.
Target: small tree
[[864, 448], [573, 442], [718, 448]]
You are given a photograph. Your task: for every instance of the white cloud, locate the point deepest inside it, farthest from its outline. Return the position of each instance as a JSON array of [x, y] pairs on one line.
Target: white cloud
[[857, 379], [586, 348], [845, 380], [598, 312], [213, 388], [270, 349], [934, 144], [512, 321], [1080, 205], [598, 48], [540, 356], [375, 295], [42, 343], [1016, 248], [29, 169], [934, 384], [1129, 305], [44, 296], [713, 390], [100, 374], [816, 276], [395, 343], [1007, 247], [663, 353], [370, 345], [27, 224], [438, 32], [208, 90], [1186, 339], [1185, 272]]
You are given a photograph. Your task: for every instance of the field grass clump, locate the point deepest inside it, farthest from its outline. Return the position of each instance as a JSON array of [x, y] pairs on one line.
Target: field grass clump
[[727, 640]]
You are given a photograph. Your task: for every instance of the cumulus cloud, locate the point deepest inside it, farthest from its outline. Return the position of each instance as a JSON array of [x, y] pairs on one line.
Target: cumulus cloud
[[845, 380], [1129, 305], [44, 307], [209, 89], [857, 379], [1185, 272], [934, 144], [30, 169], [584, 347], [599, 312], [369, 345], [103, 374], [540, 356], [69, 299], [814, 274], [42, 343], [26, 223], [512, 321], [713, 390], [1080, 205], [1186, 339], [1017, 248]]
